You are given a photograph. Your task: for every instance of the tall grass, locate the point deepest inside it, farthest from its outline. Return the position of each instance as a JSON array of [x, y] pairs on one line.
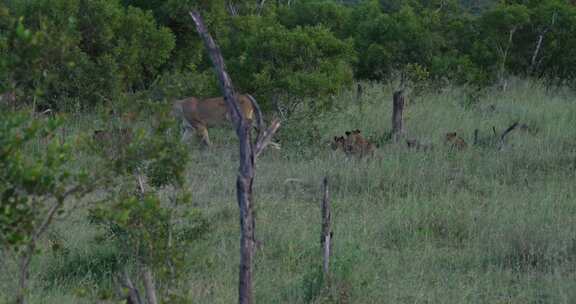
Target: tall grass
[[484, 225]]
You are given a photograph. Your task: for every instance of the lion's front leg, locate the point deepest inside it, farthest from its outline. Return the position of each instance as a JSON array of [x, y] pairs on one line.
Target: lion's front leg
[[185, 134], [203, 134], [186, 130]]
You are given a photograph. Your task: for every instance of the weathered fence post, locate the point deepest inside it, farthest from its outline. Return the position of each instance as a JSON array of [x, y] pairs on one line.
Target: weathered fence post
[[397, 113], [326, 236], [248, 153], [476, 137], [359, 93]]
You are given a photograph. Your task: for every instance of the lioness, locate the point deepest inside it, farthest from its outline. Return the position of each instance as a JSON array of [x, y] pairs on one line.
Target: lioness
[[199, 114], [455, 141]]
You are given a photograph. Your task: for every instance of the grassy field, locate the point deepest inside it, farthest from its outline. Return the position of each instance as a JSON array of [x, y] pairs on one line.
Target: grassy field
[[484, 225]]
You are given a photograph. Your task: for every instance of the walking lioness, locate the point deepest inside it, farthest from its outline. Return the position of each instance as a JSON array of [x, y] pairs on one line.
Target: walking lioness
[[199, 114]]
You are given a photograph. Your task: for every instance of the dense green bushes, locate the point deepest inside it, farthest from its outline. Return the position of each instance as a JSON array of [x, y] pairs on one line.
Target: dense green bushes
[[89, 52], [80, 51]]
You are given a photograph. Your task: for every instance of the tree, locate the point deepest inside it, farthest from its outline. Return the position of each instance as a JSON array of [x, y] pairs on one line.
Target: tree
[[36, 188], [499, 26], [249, 152], [81, 51], [151, 229], [272, 61]]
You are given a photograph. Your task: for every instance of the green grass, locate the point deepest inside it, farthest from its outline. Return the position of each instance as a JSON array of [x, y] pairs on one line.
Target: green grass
[[479, 226]]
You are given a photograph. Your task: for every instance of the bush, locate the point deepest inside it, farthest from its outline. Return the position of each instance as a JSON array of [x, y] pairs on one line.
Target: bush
[[84, 50]]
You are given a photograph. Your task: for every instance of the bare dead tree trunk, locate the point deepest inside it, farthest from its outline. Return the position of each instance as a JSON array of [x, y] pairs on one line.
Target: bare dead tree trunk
[[326, 236], [133, 294], [261, 4], [534, 62], [397, 113], [149, 285], [504, 52], [232, 9], [248, 154]]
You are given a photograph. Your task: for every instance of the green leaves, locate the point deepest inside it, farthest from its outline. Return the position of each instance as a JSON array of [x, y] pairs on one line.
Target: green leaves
[[147, 210], [79, 49], [32, 182], [302, 62], [61, 52]]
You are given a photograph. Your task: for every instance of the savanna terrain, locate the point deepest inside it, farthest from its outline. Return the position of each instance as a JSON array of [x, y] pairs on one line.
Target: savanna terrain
[[491, 223], [101, 201]]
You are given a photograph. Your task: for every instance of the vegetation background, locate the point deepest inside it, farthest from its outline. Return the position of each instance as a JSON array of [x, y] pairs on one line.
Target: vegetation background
[[486, 225]]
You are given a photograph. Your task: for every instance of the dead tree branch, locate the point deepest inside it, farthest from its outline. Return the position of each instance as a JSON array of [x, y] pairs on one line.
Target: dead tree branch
[[510, 129], [248, 154], [542, 32], [506, 132]]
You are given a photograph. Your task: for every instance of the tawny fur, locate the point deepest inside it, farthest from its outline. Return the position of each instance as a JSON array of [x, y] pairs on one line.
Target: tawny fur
[[199, 114], [455, 141], [353, 144]]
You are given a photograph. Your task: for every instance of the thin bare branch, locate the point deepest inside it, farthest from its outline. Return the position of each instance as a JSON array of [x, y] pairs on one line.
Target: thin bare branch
[[266, 138], [510, 129]]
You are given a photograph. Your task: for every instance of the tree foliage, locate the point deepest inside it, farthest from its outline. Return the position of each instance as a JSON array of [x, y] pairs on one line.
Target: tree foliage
[[36, 187], [88, 52], [149, 214]]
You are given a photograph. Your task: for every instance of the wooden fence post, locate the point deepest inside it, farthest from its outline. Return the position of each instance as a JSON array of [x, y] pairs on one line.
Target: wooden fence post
[[326, 236], [359, 93], [476, 139], [397, 115]]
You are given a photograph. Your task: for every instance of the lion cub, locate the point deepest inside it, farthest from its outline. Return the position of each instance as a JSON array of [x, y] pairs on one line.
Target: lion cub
[[353, 144], [339, 143], [456, 142]]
